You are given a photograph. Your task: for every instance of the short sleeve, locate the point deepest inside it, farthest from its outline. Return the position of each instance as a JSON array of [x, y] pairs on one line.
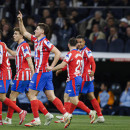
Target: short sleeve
[[67, 58], [49, 45], [1, 54], [88, 53], [26, 51], [33, 38]]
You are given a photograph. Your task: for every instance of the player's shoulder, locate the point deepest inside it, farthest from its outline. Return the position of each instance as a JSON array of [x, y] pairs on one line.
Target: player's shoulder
[[2, 43], [25, 44]]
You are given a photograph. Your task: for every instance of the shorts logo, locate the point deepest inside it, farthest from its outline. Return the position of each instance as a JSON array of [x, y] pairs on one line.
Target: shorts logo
[[31, 81]]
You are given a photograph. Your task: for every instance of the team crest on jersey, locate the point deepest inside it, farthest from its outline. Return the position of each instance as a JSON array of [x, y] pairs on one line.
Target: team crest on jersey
[[26, 51]]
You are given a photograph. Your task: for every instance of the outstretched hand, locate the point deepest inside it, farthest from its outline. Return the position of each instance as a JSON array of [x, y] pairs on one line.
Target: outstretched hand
[[20, 16]]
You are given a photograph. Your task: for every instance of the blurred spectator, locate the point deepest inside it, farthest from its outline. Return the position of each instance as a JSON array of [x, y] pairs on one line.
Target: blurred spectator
[[65, 34], [113, 34], [75, 16], [96, 34], [110, 23], [127, 33], [97, 19], [7, 32], [125, 3], [31, 25], [125, 101], [52, 8], [63, 8], [122, 27], [53, 30], [60, 19], [109, 15], [2, 22], [105, 99], [128, 18], [45, 14]]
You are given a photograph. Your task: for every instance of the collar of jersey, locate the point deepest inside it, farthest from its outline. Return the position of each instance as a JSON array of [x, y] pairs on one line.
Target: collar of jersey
[[74, 49], [41, 39], [22, 43], [83, 48], [0, 40]]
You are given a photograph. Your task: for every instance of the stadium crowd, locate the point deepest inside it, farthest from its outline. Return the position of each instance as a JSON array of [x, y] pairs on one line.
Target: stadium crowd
[[66, 19]]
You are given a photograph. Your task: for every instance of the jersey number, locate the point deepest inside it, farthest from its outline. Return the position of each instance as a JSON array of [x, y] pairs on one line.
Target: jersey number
[[77, 69]]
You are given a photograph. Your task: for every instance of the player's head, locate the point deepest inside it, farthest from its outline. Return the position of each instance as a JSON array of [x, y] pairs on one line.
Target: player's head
[[80, 42], [42, 29], [72, 42], [17, 34], [0, 34]]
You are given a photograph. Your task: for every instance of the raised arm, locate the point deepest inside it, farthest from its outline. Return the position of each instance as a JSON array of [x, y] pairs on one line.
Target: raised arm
[[22, 27], [30, 64]]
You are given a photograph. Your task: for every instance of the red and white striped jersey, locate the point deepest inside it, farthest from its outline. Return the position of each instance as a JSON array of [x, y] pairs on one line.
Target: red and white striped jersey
[[74, 60], [88, 64], [23, 71], [42, 51], [5, 70]]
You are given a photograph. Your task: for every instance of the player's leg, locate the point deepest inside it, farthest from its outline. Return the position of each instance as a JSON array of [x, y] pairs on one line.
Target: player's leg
[[13, 97], [34, 106], [67, 105], [94, 102], [1, 123], [8, 102], [49, 91], [56, 101], [36, 84]]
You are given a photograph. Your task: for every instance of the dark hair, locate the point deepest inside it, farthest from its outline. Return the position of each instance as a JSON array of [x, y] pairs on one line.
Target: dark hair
[[80, 36], [72, 41], [17, 29], [45, 27]]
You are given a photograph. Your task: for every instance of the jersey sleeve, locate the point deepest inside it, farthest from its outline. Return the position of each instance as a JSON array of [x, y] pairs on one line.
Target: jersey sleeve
[[26, 52], [1, 54], [33, 38], [89, 56], [48, 45], [67, 58]]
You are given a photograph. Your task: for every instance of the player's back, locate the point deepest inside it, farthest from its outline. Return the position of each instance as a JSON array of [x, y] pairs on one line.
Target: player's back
[[5, 70], [74, 60]]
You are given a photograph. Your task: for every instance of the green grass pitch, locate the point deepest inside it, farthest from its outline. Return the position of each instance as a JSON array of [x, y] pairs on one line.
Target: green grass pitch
[[79, 122]]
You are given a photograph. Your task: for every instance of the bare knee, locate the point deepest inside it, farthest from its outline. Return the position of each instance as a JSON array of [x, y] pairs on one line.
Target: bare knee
[[91, 96], [50, 95], [14, 95], [2, 97]]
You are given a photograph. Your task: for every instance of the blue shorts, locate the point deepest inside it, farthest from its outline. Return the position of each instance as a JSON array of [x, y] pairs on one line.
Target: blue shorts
[[87, 87], [4, 85], [20, 86], [73, 86], [42, 81]]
